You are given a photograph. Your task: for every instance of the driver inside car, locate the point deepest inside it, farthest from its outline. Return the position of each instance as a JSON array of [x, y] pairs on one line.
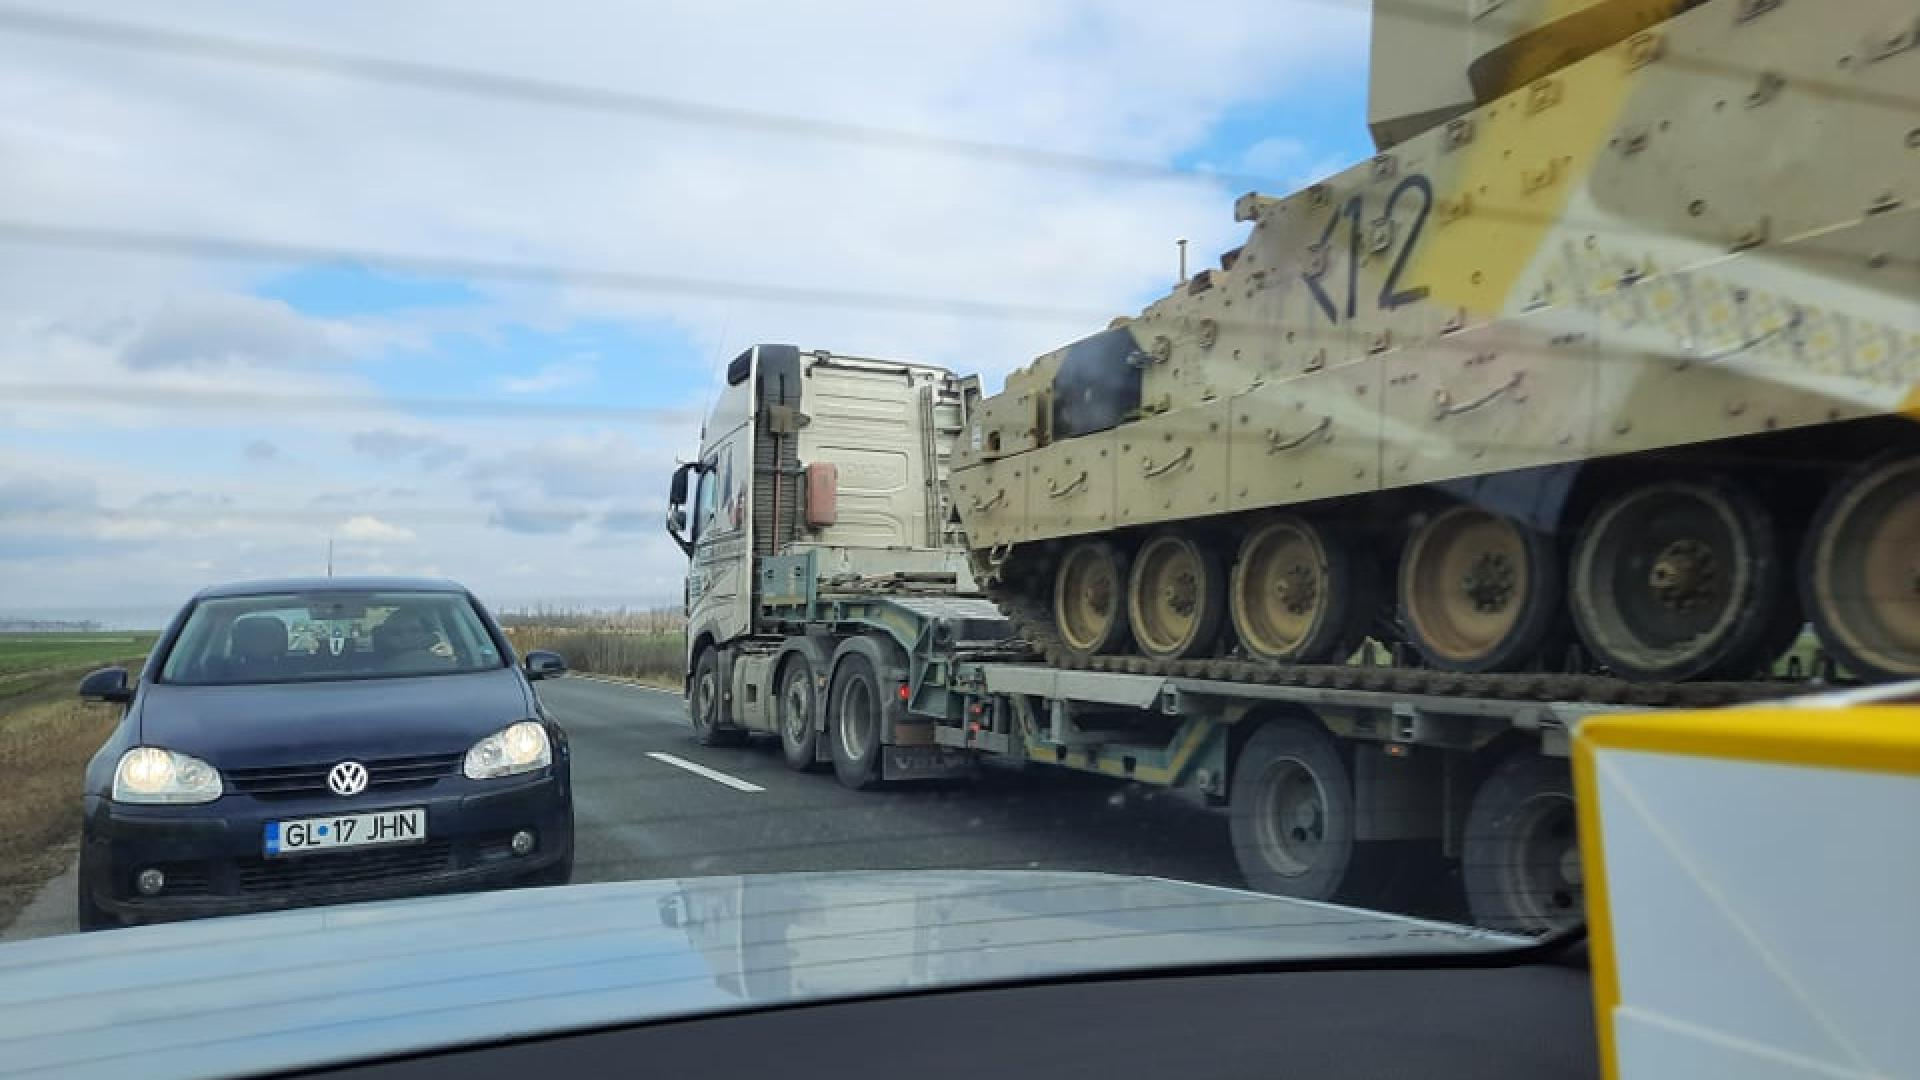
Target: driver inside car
[[257, 647], [405, 643]]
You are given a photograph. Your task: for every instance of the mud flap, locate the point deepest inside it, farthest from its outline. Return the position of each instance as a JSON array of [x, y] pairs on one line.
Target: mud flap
[[924, 763]]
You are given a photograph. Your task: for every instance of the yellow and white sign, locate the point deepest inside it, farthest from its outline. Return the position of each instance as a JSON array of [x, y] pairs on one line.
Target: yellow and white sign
[[1754, 890]]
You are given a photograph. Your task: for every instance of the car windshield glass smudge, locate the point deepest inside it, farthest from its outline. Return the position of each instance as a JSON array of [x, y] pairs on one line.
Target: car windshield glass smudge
[[292, 637]]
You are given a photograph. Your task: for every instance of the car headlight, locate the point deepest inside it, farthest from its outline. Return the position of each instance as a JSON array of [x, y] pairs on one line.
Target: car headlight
[[148, 774], [520, 748]]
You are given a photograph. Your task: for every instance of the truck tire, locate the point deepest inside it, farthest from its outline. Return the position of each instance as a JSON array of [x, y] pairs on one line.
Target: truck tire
[[853, 722], [1520, 860], [703, 702], [1292, 817], [794, 713]]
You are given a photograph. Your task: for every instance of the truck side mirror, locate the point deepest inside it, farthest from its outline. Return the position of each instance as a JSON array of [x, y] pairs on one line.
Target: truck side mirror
[[677, 509]]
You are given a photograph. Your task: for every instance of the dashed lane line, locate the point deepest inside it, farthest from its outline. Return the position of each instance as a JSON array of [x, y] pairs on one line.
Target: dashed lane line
[[698, 769]]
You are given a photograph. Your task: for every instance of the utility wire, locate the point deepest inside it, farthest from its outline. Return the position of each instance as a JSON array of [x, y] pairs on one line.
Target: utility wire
[[236, 249], [525, 89], [476, 82]]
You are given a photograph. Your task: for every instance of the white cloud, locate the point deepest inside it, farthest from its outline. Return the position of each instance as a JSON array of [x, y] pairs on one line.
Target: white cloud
[[174, 358], [370, 529], [557, 376]]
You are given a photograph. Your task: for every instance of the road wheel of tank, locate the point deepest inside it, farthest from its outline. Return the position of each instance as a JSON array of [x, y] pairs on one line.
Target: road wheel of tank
[[1292, 818], [799, 735], [1089, 598], [1860, 574], [703, 701], [1681, 580], [1478, 592], [1176, 597], [1294, 595], [1521, 856], [854, 707]]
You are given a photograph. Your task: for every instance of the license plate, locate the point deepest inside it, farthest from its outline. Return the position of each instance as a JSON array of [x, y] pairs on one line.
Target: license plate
[[346, 831]]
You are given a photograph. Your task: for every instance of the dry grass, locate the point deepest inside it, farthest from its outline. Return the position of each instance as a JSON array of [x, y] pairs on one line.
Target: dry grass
[[43, 753], [652, 659]]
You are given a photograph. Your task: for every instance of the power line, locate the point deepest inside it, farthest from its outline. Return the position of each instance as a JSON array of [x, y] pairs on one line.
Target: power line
[[56, 392], [475, 82], [236, 249], [525, 89]]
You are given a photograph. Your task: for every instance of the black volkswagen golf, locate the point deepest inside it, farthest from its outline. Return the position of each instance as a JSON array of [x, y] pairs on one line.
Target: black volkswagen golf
[[318, 741]]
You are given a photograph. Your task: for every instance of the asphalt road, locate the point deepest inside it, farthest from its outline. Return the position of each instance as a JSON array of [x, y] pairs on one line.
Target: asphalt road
[[742, 811]]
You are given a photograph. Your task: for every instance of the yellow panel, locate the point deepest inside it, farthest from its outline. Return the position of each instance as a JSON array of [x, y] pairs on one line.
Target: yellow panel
[[1502, 189], [1873, 738]]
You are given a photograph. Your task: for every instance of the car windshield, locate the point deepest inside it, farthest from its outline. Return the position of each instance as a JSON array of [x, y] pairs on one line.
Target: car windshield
[[300, 637]]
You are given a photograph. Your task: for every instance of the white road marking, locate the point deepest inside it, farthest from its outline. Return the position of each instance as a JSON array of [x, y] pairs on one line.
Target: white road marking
[[628, 685], [697, 769]]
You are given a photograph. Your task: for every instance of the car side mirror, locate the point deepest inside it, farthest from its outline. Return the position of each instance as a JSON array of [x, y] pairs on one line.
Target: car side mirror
[[541, 664], [107, 685]]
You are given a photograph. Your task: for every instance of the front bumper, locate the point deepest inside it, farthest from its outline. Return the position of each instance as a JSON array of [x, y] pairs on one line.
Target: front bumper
[[214, 863]]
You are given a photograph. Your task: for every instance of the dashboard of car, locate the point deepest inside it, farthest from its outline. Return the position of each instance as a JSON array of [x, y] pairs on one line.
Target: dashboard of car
[[1434, 1024]]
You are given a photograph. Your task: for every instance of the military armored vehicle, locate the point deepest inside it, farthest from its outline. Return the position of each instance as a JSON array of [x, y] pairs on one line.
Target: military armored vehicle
[[1605, 364]]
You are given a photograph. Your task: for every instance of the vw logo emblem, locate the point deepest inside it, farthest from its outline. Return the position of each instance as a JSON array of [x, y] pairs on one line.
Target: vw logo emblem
[[347, 778]]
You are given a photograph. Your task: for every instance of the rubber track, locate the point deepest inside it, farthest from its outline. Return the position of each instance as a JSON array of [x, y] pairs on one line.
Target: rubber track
[[1034, 624]]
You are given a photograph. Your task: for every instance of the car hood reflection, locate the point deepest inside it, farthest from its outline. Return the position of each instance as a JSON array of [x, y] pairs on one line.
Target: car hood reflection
[[328, 985]]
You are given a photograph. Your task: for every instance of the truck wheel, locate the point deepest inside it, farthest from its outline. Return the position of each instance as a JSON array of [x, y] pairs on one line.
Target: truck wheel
[[703, 701], [798, 736], [1521, 857], [1292, 818], [854, 723]]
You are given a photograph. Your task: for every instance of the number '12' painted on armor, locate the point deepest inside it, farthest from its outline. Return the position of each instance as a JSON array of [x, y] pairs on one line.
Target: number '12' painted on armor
[[1391, 294]]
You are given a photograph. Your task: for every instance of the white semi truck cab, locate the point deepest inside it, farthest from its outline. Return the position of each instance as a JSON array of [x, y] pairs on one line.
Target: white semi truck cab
[[821, 483]]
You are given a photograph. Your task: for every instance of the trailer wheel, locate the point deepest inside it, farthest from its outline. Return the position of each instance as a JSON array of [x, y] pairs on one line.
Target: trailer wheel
[[1521, 857], [1292, 818], [703, 702], [854, 722], [799, 738]]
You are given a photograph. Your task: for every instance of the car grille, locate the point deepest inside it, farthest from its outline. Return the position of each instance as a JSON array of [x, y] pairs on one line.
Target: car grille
[[388, 774], [256, 876]]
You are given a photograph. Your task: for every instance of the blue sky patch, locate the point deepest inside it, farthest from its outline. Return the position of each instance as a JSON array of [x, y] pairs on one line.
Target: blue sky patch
[[337, 290]]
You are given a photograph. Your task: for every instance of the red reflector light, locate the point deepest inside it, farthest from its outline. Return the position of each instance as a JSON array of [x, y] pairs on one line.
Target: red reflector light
[[903, 691]]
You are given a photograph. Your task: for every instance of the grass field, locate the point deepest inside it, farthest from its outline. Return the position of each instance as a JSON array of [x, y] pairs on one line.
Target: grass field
[[651, 658], [32, 663], [46, 737]]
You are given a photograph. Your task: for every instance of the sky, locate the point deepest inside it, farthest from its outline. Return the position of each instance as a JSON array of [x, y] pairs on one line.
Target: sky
[[170, 419]]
